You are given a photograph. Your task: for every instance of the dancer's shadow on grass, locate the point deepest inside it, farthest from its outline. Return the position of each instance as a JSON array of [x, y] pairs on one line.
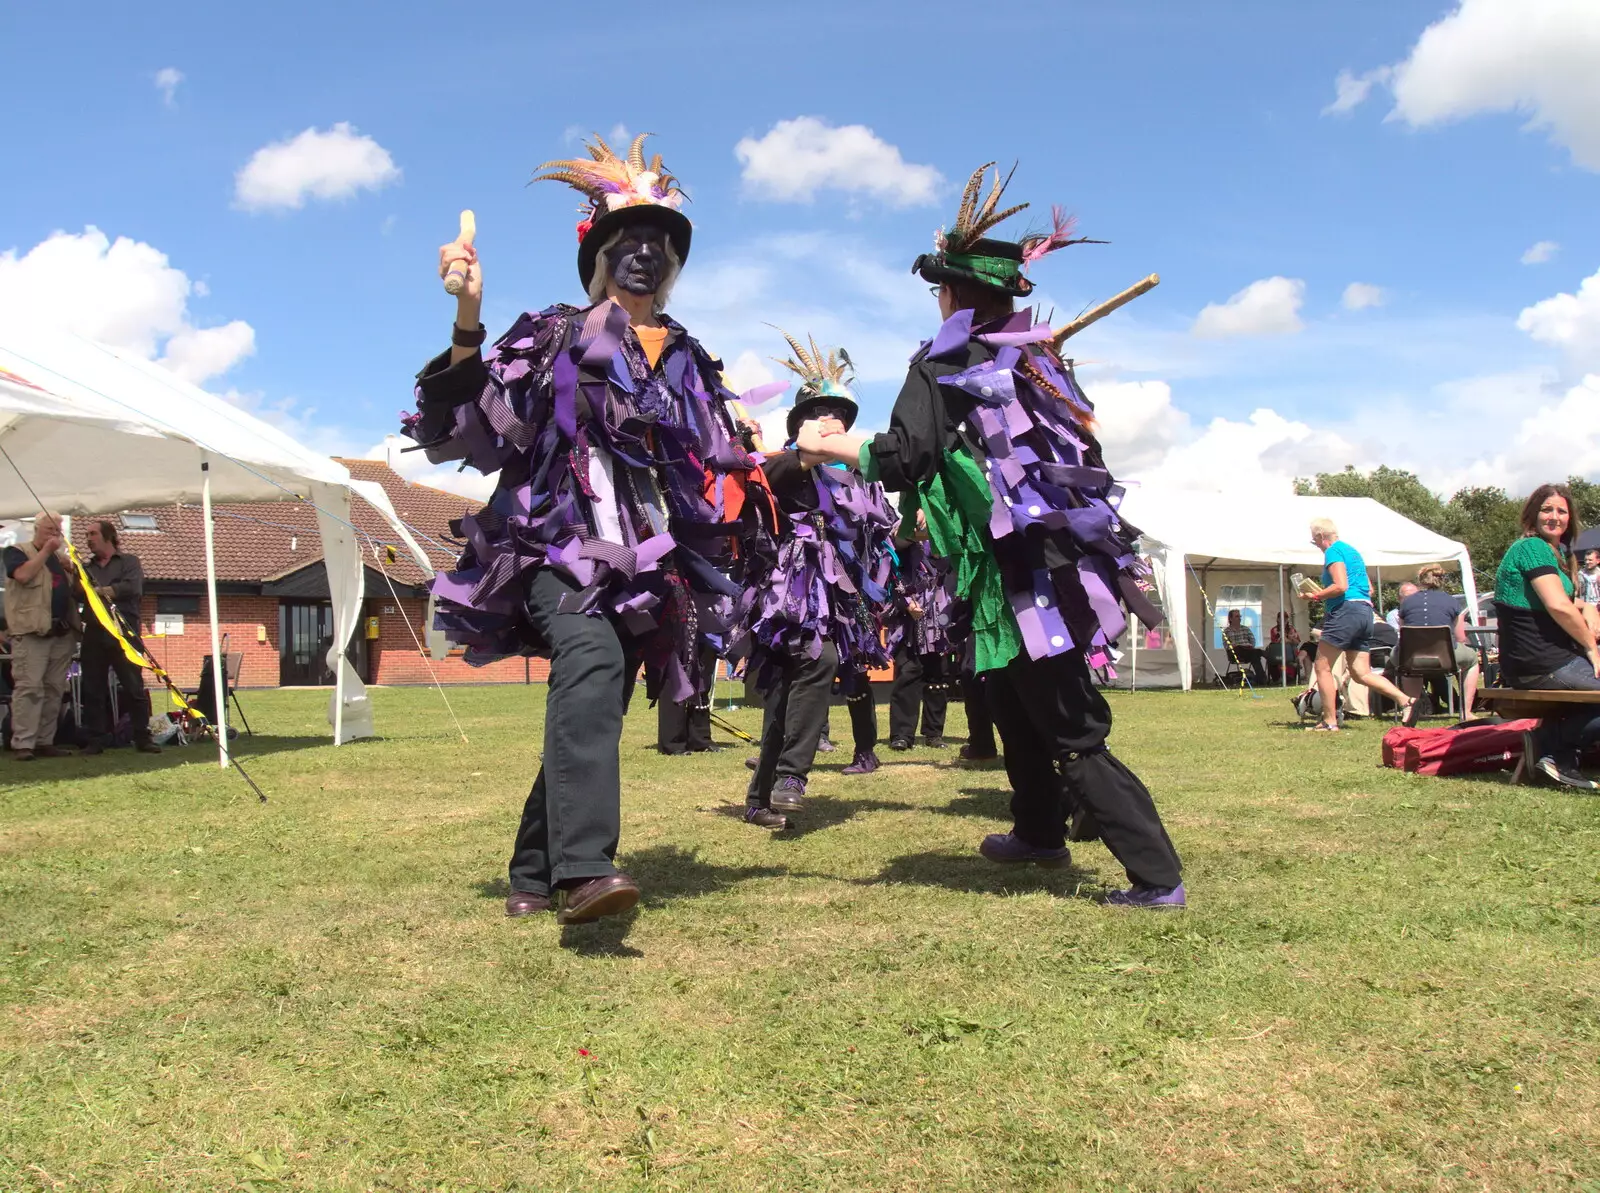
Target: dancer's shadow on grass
[[821, 812], [980, 803], [970, 872]]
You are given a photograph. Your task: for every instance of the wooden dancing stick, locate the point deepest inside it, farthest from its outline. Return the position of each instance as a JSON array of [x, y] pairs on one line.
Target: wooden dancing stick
[[1095, 314], [456, 279]]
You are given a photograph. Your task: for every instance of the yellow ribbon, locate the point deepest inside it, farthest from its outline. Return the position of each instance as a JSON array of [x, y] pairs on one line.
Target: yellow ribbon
[[112, 624]]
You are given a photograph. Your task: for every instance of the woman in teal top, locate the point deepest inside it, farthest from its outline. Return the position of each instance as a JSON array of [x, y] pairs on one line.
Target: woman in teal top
[[1547, 640], [1346, 596]]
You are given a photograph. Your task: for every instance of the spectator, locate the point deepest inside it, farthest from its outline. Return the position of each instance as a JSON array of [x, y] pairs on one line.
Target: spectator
[[1346, 596], [1431, 605], [1393, 616], [42, 617], [1545, 640], [1282, 647], [1240, 640], [1589, 579], [119, 581]]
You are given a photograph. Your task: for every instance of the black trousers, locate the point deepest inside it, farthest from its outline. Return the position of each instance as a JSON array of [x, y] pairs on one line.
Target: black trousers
[[685, 728], [1054, 724], [573, 816], [980, 722], [863, 706], [1254, 658], [98, 658], [912, 694], [792, 723]]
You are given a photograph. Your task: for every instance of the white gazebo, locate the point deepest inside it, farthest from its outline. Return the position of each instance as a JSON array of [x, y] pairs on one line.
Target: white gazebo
[[1212, 553], [87, 429]]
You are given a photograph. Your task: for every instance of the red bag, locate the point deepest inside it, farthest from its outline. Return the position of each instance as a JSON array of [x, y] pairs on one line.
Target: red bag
[[1472, 749], [1394, 744]]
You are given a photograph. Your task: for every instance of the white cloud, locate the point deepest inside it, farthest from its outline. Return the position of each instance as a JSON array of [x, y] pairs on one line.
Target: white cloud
[[316, 165], [198, 353], [124, 293], [414, 467], [1351, 91], [1269, 307], [167, 80], [799, 157], [1538, 57], [1569, 321], [1138, 424], [1358, 296], [1539, 253]]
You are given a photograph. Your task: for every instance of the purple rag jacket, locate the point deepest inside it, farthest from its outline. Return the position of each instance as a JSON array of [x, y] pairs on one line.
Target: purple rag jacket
[[830, 581], [614, 473]]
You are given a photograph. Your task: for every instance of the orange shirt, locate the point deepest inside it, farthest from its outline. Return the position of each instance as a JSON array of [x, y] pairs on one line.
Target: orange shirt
[[652, 340]]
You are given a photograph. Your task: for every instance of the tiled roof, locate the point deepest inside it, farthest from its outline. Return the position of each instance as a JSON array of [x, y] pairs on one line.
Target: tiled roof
[[264, 540]]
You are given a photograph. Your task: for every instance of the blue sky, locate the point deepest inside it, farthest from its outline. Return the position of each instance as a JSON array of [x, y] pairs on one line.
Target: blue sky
[[1196, 138]]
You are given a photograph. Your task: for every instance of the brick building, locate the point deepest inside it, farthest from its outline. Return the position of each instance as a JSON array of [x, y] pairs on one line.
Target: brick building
[[272, 588]]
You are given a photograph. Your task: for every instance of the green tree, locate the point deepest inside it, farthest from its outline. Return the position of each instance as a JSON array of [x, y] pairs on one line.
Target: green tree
[[1401, 491], [1486, 520]]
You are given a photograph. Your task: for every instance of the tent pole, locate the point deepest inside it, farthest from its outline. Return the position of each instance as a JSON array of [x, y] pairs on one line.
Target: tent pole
[[338, 694], [218, 663], [1283, 633]]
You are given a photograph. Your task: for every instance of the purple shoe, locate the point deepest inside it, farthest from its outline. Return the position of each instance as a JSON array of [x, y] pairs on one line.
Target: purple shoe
[[789, 793], [1010, 849], [865, 763], [1158, 898], [824, 746]]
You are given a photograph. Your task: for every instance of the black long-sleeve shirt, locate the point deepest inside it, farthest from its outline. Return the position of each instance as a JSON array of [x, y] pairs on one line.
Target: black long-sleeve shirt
[[124, 575]]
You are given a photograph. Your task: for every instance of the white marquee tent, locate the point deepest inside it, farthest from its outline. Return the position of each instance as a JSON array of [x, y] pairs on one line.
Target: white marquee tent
[[1212, 552], [90, 429]]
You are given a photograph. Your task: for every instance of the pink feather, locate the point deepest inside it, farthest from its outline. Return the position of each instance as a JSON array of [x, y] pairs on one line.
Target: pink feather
[[1060, 237]]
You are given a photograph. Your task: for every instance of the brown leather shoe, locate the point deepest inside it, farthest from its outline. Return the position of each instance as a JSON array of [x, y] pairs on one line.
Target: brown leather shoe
[[526, 903], [22, 755], [49, 752], [591, 898]]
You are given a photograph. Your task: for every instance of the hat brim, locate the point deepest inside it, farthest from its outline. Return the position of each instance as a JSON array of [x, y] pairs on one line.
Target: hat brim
[[931, 268], [674, 223], [802, 411]]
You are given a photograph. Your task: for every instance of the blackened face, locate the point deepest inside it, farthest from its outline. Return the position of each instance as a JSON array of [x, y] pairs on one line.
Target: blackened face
[[639, 259]]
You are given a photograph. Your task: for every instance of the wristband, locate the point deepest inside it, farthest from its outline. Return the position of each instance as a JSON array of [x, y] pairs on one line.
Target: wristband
[[462, 338]]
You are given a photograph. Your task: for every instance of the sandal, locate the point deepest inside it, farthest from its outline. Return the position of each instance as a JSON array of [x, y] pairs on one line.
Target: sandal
[[1324, 727]]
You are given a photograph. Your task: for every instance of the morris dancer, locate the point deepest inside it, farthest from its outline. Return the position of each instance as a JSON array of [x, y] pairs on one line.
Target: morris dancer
[[816, 614], [918, 626], [620, 473], [994, 437]]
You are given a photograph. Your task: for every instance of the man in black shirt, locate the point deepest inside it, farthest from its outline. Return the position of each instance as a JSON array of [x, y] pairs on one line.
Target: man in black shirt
[[119, 581]]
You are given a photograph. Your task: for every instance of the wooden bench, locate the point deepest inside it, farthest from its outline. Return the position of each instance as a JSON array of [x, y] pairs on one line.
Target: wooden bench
[[1514, 704]]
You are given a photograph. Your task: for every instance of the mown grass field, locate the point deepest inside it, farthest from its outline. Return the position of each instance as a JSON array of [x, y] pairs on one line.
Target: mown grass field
[[1383, 982]]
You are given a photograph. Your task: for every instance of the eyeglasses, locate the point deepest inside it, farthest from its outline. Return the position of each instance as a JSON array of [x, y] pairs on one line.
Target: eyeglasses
[[934, 290]]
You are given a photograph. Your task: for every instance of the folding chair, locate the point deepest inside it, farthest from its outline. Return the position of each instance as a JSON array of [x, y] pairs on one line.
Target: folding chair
[[1428, 652], [204, 697]]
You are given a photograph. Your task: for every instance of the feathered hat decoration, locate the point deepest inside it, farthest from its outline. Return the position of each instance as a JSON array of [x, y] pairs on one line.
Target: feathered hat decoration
[[975, 217], [619, 189], [964, 252], [825, 379]]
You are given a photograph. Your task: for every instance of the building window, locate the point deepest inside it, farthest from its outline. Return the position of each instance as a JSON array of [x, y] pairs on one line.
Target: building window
[[140, 523], [178, 604]]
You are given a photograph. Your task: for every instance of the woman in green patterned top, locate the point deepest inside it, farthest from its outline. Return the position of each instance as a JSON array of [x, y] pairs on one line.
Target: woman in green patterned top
[[1547, 640]]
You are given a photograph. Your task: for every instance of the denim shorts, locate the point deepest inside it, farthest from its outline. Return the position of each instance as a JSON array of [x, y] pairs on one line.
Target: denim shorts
[[1349, 627]]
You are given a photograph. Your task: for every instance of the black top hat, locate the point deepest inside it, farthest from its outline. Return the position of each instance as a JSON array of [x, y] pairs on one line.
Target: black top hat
[[592, 238]]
